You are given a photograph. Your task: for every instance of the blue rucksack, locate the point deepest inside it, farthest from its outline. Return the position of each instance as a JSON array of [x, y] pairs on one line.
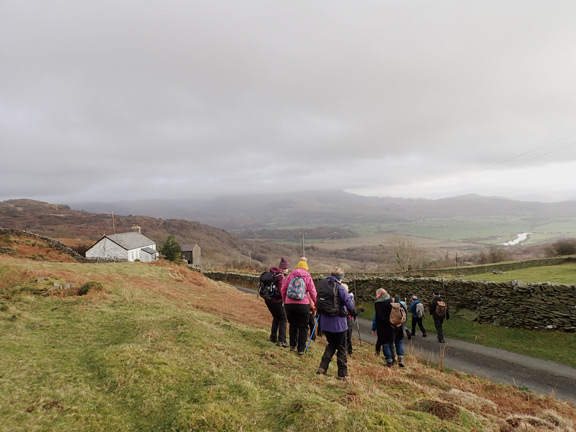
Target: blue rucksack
[[296, 288]]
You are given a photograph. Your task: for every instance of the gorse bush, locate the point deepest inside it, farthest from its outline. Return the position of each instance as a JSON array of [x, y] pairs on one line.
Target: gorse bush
[[562, 247], [90, 286]]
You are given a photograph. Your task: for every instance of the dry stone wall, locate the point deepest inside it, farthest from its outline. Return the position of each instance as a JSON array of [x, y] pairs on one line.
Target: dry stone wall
[[510, 304]]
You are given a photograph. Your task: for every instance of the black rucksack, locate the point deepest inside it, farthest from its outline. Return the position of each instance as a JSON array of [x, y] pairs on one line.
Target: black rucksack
[[267, 288], [327, 301]]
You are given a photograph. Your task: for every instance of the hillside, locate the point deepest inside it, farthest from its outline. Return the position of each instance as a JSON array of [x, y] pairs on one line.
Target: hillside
[[220, 249], [159, 347]]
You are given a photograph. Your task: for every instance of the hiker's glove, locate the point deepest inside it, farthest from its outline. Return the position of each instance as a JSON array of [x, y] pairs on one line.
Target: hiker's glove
[[360, 310]]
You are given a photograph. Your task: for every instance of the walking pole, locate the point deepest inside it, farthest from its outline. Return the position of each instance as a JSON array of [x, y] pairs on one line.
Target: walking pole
[[312, 334], [356, 318]]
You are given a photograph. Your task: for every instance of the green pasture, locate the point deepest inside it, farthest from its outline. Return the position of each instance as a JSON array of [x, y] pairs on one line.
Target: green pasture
[[560, 274]]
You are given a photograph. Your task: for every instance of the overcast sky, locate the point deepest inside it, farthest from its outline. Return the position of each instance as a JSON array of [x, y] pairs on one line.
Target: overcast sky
[[111, 100]]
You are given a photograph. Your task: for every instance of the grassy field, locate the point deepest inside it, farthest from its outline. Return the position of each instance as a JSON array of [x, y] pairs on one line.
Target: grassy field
[[480, 231], [560, 274], [161, 348]]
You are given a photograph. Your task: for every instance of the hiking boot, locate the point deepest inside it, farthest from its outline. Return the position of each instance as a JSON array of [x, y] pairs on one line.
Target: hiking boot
[[292, 348], [424, 335], [300, 352], [272, 340], [389, 364], [441, 340], [408, 334], [377, 353], [282, 344], [401, 361], [342, 378], [321, 371]]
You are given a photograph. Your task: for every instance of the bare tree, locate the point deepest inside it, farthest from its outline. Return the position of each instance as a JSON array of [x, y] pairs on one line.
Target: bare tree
[[406, 254], [493, 254]]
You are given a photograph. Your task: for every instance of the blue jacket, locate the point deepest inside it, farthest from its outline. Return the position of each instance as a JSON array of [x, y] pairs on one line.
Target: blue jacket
[[413, 308]]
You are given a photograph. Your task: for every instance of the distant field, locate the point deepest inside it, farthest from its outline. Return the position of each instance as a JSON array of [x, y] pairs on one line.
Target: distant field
[[560, 274], [442, 238]]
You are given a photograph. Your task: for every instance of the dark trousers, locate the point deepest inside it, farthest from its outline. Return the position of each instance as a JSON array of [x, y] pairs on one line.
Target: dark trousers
[[382, 339], [279, 320], [416, 320], [349, 348], [336, 344], [438, 321], [298, 318]]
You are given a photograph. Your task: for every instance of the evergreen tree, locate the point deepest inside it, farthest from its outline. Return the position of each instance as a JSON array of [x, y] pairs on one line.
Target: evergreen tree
[[171, 249]]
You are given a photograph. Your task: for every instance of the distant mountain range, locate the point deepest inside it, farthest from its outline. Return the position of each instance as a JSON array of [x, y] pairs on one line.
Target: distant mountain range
[[327, 208], [459, 225]]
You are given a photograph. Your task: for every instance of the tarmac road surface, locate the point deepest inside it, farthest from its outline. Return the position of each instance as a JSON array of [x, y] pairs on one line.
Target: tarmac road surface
[[535, 375]]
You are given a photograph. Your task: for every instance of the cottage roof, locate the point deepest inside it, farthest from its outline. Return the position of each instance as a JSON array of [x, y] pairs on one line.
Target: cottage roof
[[130, 240], [150, 250], [189, 247]]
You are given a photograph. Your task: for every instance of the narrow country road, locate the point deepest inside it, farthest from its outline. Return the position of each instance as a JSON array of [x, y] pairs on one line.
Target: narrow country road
[[535, 375]]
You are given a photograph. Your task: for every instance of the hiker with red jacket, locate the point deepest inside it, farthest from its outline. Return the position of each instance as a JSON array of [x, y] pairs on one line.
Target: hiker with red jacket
[[276, 307], [439, 311], [335, 325], [297, 291]]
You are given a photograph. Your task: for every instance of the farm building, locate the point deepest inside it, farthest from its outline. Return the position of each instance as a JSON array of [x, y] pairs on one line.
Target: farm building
[[129, 246], [191, 253]]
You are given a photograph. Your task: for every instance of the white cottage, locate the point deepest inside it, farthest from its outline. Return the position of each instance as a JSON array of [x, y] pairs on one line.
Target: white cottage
[[129, 246]]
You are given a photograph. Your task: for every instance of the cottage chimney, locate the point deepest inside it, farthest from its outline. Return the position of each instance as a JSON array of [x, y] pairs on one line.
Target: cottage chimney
[[136, 228]]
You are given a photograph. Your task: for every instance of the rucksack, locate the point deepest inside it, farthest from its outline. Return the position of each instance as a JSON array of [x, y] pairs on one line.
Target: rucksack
[[267, 288], [441, 308], [327, 300], [420, 311], [397, 314], [296, 288]]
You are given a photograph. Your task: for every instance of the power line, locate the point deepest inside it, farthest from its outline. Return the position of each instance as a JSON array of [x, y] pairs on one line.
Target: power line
[[534, 150]]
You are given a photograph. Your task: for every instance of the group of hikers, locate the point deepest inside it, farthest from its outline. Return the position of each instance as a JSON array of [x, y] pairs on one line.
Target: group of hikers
[[295, 302]]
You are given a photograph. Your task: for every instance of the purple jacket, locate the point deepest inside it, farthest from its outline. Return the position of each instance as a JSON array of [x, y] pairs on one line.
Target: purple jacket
[[337, 324], [310, 287]]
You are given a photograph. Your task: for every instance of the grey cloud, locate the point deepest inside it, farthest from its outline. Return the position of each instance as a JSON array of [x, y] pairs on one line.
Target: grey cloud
[[156, 96]]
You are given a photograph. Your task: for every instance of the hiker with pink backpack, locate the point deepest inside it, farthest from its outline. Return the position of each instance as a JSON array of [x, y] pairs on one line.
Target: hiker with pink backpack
[[298, 292]]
